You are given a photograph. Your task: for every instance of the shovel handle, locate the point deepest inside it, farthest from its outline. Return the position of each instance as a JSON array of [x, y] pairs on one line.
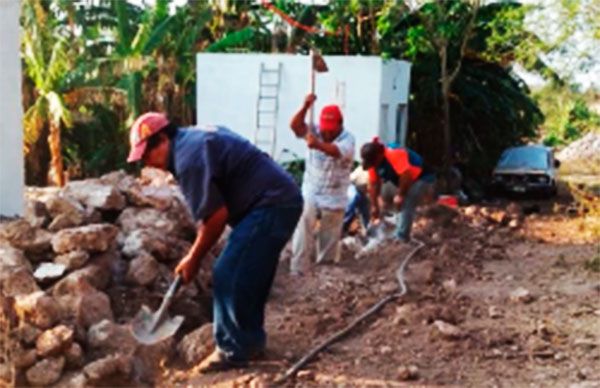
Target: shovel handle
[[162, 310], [173, 287]]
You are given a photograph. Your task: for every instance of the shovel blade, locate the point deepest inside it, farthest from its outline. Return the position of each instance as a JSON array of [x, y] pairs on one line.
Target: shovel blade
[[142, 330]]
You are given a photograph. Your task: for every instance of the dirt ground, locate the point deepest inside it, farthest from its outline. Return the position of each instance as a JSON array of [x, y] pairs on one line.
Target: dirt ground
[[472, 263]]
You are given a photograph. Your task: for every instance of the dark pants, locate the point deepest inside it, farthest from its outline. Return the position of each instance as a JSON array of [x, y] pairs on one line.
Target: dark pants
[[358, 204], [243, 275]]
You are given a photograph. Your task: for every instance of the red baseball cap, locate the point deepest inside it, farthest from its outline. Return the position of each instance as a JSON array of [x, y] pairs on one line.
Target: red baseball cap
[[144, 126], [331, 118]]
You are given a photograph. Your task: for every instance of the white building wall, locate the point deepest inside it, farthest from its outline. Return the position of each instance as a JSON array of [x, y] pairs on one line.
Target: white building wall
[[11, 130], [395, 85], [227, 91]]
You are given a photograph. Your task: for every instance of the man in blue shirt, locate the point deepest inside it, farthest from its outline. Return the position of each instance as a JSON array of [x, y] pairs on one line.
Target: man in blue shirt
[[226, 180]]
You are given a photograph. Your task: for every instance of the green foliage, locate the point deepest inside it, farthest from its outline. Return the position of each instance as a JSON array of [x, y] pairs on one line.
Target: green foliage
[[567, 113], [96, 144]]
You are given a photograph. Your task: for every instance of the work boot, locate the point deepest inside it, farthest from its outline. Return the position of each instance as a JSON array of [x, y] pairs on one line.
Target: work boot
[[217, 361]]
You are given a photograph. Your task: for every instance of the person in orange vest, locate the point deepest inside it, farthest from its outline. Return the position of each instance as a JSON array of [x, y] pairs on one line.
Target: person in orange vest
[[405, 169]]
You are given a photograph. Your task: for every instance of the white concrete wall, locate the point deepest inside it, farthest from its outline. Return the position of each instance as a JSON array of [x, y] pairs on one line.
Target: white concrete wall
[[395, 88], [11, 113], [227, 91]]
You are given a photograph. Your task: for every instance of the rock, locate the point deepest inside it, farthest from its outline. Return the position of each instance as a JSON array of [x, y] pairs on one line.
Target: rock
[[470, 211], [143, 269], [12, 258], [108, 337], [385, 350], [156, 177], [95, 238], [38, 309], [36, 214], [72, 260], [197, 345], [28, 333], [96, 275], [45, 372], [162, 247], [54, 341], [521, 295], [132, 219], [514, 224], [88, 308], [177, 222], [49, 271], [403, 314], [66, 213], [60, 222], [18, 281], [21, 235], [389, 287], [24, 358], [581, 156], [159, 197], [6, 373], [61, 204], [74, 356], [448, 330], [108, 366], [72, 380], [144, 240], [93, 194], [560, 356], [119, 179], [499, 217], [306, 375], [449, 285], [495, 313], [148, 360], [410, 372]]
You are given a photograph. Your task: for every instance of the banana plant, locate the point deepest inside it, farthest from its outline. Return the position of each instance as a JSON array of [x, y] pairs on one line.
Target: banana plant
[[46, 62], [137, 35]]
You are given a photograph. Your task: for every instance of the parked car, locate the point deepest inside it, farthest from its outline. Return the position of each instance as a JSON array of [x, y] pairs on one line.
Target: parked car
[[526, 169]]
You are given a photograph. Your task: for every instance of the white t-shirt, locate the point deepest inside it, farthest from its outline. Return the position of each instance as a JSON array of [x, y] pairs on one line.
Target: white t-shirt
[[326, 179]]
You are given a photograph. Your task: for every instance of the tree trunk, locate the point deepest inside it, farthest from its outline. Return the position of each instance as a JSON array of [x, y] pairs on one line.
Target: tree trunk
[[445, 81], [57, 175]]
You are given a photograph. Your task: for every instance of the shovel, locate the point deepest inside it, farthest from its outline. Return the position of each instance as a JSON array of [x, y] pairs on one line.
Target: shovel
[[149, 328]]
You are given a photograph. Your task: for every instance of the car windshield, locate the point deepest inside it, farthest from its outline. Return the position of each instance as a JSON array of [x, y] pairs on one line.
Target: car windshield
[[524, 157]]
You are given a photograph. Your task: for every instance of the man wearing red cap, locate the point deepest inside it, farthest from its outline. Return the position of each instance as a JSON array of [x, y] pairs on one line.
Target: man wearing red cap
[[325, 184], [226, 180]]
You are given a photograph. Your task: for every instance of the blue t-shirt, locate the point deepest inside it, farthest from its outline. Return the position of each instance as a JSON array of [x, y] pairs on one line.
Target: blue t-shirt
[[216, 167]]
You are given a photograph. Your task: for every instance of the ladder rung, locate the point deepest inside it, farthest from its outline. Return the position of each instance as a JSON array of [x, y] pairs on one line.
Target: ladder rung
[[266, 111], [265, 70], [267, 97], [269, 85]]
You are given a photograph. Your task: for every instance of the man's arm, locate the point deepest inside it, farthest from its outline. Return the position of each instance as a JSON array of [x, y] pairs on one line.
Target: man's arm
[[328, 148], [209, 233], [298, 124], [374, 192]]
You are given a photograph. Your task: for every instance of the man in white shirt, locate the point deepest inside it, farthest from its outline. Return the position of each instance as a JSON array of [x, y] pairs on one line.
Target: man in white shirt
[[325, 184]]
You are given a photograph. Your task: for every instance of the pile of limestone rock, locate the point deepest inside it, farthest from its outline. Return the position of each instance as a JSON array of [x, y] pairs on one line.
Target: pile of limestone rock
[[582, 156], [76, 269]]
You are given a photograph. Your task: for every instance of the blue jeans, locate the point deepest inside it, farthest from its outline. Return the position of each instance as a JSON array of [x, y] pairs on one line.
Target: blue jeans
[[243, 275], [359, 203], [406, 215]]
